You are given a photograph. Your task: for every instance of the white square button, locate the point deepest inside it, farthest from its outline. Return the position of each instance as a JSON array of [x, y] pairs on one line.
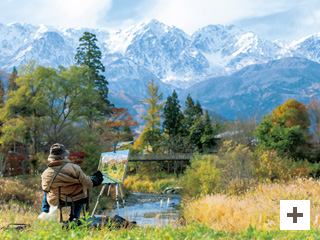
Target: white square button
[[294, 214]]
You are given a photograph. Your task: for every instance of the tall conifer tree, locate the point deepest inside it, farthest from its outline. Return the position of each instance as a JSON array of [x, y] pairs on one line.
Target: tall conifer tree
[[198, 109], [192, 112], [207, 139], [172, 123], [89, 54], [12, 86], [189, 112], [193, 122]]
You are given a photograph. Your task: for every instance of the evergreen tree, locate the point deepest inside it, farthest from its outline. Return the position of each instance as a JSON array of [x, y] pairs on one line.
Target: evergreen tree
[[2, 93], [173, 117], [89, 54], [12, 86], [207, 139], [193, 122], [196, 133], [189, 113], [198, 109]]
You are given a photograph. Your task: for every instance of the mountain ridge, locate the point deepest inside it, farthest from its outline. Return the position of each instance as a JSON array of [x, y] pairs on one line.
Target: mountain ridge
[[259, 89], [173, 58]]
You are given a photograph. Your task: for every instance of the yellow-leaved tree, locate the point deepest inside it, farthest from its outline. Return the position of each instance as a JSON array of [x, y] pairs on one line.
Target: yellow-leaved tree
[[292, 113], [150, 137], [286, 130]]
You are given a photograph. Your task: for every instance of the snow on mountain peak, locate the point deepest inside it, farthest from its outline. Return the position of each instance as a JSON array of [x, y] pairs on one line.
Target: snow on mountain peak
[[165, 52]]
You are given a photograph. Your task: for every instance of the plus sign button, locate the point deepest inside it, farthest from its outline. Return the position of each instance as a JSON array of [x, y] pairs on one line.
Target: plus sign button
[[294, 214]]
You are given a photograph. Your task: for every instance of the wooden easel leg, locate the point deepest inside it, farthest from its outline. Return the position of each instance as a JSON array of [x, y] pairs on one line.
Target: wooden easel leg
[[117, 196], [108, 194], [124, 201], [98, 199]]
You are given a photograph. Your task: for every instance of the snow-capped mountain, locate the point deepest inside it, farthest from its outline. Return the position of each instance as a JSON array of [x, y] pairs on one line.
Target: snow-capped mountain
[[165, 51], [173, 58], [259, 89], [232, 49], [160, 51]]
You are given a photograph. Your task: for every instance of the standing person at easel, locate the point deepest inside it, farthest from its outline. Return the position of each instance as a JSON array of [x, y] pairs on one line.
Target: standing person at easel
[[61, 172]]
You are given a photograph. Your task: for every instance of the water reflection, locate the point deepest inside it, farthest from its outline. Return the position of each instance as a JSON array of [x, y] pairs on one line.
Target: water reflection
[[152, 213]]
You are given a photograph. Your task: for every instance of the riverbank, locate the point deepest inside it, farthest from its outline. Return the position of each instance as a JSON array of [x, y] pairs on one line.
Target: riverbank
[[151, 209], [252, 215], [208, 218], [140, 198]]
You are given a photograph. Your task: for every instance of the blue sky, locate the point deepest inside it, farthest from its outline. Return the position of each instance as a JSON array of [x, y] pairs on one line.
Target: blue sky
[[271, 19]]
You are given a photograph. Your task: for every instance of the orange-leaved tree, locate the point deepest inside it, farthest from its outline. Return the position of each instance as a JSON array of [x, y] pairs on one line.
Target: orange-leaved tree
[[286, 130], [292, 113], [117, 128]]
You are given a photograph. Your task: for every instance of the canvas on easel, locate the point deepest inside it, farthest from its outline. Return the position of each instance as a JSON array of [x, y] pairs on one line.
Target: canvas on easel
[[113, 166]]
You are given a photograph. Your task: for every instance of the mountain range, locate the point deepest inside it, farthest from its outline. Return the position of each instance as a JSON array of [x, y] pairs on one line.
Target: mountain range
[[230, 71]]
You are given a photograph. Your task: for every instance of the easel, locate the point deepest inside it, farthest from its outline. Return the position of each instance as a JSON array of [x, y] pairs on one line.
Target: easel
[[118, 186], [113, 182]]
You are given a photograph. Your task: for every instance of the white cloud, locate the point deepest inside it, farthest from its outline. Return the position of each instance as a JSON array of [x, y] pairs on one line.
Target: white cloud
[[283, 19], [193, 14], [64, 13], [74, 13]]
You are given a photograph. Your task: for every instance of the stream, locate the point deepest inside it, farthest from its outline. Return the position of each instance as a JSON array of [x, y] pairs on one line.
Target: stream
[[150, 208]]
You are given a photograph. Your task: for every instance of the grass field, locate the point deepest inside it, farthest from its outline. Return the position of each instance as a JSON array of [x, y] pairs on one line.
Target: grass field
[[53, 230], [258, 207], [253, 215]]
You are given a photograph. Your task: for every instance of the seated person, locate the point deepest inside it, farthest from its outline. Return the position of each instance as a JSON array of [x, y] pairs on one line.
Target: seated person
[[61, 172]]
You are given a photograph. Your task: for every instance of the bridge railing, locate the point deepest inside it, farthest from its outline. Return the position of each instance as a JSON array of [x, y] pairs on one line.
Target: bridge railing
[[161, 157]]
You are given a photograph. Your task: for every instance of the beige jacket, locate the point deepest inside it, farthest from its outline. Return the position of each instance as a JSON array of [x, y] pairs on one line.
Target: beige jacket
[[76, 186]]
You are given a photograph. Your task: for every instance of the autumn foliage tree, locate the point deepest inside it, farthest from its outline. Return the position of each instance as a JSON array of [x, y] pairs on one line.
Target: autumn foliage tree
[[285, 129], [292, 113], [150, 138], [115, 128]]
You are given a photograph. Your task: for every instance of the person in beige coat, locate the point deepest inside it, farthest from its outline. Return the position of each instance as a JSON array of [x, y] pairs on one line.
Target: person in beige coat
[[61, 172]]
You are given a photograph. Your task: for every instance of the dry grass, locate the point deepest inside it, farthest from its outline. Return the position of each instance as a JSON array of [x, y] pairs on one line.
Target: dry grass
[[258, 207], [24, 190], [136, 184], [15, 213]]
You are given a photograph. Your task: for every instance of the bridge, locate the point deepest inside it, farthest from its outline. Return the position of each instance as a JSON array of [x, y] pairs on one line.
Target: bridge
[[160, 157], [173, 162]]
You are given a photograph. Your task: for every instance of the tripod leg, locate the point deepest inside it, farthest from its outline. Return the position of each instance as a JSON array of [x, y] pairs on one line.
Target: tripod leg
[[108, 194], [117, 196], [124, 201], [98, 199]]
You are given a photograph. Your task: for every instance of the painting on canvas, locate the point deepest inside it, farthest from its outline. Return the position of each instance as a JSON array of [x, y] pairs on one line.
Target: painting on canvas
[[113, 166]]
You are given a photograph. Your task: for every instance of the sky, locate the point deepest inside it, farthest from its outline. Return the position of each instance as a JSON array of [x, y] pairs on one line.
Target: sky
[[270, 19]]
